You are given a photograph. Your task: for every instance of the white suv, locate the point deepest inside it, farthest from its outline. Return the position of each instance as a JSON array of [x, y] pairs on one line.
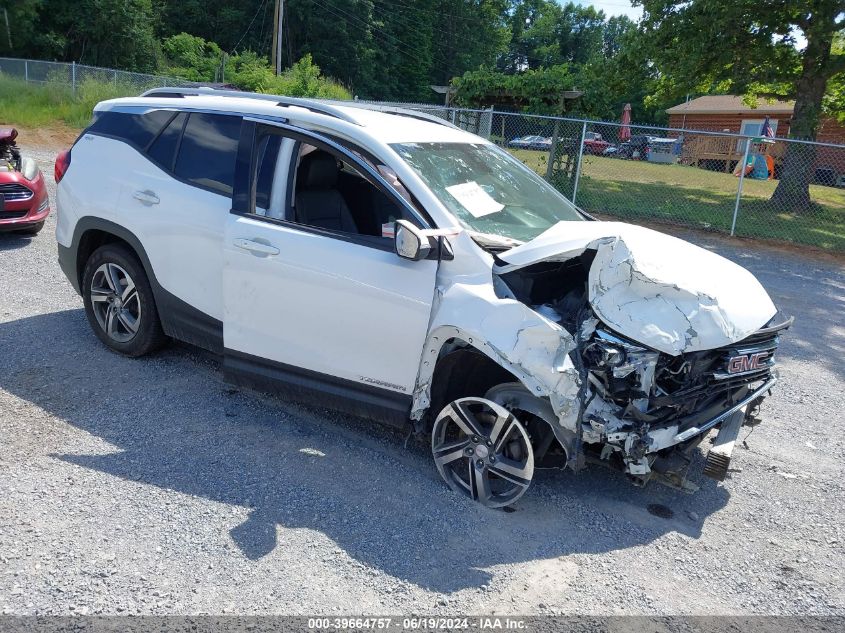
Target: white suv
[[388, 263]]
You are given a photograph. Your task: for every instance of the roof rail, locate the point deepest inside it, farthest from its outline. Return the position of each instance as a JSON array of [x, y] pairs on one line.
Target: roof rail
[[329, 108], [308, 104], [413, 114]]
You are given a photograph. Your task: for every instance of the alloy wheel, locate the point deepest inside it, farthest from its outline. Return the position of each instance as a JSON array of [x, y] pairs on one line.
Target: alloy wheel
[[116, 303], [481, 450]]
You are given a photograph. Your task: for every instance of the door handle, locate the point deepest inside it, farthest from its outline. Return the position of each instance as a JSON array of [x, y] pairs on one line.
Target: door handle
[[146, 197], [256, 247]]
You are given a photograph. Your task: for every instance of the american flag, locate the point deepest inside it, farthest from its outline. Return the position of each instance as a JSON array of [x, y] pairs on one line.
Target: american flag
[[766, 131]]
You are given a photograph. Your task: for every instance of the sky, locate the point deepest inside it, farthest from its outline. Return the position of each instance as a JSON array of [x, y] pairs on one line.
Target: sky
[[615, 7]]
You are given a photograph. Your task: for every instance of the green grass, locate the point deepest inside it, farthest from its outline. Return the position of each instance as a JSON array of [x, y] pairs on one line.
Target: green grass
[[702, 198], [37, 105]]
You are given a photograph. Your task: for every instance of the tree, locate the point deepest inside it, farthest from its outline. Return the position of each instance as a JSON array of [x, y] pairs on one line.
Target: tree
[[751, 48], [536, 91], [23, 25]]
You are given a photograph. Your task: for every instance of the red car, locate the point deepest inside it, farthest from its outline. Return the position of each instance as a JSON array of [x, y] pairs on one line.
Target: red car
[[594, 143], [24, 204]]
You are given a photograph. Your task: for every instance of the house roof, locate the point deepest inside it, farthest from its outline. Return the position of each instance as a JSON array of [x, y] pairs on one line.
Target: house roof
[[730, 104]]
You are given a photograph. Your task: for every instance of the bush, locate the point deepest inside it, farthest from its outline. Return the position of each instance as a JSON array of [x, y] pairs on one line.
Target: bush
[[34, 105], [303, 79], [195, 59]]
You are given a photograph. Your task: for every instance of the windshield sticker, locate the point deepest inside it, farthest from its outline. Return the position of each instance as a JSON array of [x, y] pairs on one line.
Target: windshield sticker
[[474, 199]]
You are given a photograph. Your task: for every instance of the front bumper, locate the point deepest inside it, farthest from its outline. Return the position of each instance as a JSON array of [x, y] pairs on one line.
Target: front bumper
[[698, 429], [19, 214]]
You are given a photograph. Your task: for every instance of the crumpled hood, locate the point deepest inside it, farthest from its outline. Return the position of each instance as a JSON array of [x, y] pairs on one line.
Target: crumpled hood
[[653, 288]]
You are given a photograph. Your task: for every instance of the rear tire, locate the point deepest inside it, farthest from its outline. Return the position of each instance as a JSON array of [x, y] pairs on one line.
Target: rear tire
[[119, 302]]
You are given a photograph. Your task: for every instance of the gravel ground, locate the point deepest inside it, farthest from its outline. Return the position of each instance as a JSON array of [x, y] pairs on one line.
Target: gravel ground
[[152, 487]]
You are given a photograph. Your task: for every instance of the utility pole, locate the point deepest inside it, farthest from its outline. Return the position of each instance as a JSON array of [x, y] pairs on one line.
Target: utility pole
[[276, 53], [8, 30]]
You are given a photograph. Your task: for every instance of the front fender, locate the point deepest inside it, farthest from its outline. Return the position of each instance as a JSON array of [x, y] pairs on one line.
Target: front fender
[[531, 347]]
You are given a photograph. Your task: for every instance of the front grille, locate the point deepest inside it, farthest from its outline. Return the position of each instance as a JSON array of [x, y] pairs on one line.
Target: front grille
[[11, 215], [748, 359], [14, 192], [692, 382]]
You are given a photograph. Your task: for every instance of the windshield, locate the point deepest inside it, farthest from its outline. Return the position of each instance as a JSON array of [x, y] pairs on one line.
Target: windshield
[[487, 189]]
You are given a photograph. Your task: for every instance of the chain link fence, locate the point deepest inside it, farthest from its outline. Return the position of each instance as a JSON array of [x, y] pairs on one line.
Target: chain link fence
[[76, 75], [780, 189], [788, 190]]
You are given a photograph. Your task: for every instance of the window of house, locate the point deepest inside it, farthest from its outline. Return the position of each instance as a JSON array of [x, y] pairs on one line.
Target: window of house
[[754, 127]]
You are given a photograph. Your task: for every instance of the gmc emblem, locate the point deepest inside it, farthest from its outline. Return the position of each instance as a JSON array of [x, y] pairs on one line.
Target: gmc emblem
[[747, 362]]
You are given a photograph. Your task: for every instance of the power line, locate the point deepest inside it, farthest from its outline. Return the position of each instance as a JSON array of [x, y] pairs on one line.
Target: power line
[[401, 47], [254, 17], [399, 3], [432, 12]]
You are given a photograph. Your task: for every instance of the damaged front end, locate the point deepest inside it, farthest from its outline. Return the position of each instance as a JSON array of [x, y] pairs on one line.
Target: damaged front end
[[648, 410], [671, 342]]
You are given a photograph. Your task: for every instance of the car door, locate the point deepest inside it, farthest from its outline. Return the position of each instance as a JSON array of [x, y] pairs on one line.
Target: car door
[[178, 200], [322, 308]]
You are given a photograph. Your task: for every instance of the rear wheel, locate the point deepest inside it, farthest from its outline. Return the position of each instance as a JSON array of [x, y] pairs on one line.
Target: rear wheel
[[482, 451], [119, 302]]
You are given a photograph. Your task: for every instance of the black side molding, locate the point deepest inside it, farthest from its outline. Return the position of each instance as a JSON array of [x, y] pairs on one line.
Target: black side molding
[[317, 389]]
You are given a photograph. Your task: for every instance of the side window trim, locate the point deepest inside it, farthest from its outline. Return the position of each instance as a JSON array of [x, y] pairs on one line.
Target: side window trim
[[172, 168], [147, 147], [262, 126]]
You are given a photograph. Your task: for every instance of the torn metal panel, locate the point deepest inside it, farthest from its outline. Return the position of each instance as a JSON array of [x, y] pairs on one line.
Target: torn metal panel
[[660, 291], [533, 348]]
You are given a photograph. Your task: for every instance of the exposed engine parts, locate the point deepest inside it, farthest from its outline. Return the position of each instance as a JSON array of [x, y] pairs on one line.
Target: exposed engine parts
[[10, 155], [644, 410]]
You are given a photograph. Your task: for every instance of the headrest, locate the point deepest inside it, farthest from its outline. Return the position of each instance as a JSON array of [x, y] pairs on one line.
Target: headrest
[[320, 170], [8, 134]]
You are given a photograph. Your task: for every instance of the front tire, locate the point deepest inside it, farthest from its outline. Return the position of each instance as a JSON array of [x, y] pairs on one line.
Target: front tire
[[482, 451], [119, 302]]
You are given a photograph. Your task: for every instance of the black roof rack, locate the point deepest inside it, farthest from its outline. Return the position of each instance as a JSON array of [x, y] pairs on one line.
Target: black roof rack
[[413, 114], [308, 104], [329, 108]]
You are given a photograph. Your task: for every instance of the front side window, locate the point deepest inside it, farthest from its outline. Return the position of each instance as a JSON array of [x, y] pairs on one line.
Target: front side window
[[488, 190], [208, 150], [318, 187]]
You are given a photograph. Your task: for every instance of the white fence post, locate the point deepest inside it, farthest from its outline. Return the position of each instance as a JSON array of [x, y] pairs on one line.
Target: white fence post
[[578, 164], [73, 77], [739, 187], [26, 70]]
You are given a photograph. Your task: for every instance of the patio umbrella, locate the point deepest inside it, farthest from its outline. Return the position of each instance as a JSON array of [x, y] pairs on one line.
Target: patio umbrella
[[625, 130]]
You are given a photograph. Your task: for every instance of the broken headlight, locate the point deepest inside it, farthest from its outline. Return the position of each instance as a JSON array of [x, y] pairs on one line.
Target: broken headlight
[[622, 371]]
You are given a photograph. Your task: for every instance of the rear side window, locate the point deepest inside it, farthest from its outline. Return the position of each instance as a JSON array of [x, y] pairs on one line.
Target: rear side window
[[208, 150], [135, 129], [163, 149]]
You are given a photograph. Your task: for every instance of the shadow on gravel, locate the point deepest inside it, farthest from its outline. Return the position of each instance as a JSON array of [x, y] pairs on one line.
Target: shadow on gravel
[[175, 425], [10, 241]]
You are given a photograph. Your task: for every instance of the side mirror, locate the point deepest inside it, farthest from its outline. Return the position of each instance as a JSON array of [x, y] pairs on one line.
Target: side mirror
[[410, 242]]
